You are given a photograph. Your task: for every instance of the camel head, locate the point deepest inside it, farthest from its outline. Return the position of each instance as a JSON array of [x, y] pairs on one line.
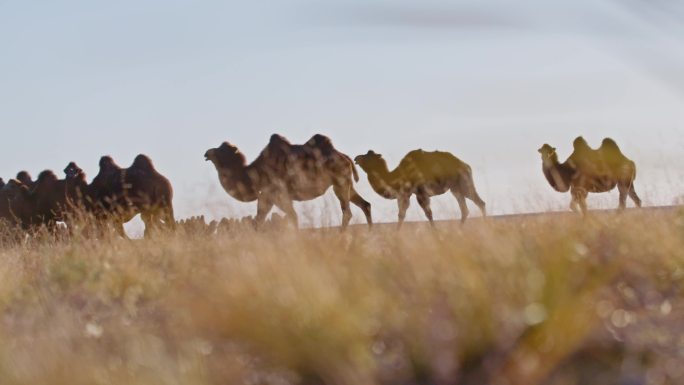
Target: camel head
[[370, 161], [24, 177], [72, 171], [548, 152], [225, 155]]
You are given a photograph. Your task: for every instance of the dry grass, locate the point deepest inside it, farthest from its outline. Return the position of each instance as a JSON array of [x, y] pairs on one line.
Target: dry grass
[[538, 300]]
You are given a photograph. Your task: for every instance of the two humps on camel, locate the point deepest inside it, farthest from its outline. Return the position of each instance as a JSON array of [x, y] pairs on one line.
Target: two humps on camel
[[590, 171]]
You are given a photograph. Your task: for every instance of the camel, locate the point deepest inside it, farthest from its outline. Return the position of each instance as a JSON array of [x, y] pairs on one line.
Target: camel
[[590, 171], [54, 199], [15, 206], [120, 193], [283, 173], [424, 174], [25, 178]]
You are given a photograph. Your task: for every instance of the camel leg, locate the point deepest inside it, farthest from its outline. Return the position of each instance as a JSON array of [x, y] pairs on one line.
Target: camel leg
[[264, 206], [461, 205], [403, 201], [424, 202], [363, 205], [633, 195], [343, 194], [580, 196], [475, 197], [623, 190], [573, 204], [285, 204], [168, 217], [149, 219]]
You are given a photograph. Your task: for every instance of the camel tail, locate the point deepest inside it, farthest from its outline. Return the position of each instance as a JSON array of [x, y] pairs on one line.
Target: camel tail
[[355, 172]]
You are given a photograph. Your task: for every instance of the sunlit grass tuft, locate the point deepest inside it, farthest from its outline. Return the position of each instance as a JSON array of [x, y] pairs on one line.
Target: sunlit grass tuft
[[535, 300]]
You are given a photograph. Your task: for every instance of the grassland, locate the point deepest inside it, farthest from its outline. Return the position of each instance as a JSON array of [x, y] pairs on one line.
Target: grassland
[[530, 300]]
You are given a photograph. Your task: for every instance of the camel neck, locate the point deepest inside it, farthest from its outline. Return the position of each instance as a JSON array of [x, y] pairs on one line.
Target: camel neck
[[558, 175], [382, 181], [239, 182]]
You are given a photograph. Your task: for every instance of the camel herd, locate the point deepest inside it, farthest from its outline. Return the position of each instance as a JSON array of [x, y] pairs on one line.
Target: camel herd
[[113, 197], [285, 172]]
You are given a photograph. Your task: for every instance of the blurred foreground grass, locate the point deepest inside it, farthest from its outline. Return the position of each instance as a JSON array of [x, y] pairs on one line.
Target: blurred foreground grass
[[537, 300]]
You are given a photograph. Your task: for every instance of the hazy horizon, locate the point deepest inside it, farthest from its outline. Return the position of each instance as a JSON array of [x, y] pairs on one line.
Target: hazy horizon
[[489, 81]]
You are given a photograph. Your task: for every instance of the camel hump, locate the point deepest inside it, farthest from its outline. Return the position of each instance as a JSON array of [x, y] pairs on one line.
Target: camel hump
[[14, 186], [14, 183], [278, 147], [107, 163], [609, 145], [580, 145], [278, 140], [143, 162], [46, 176], [23, 176], [321, 142]]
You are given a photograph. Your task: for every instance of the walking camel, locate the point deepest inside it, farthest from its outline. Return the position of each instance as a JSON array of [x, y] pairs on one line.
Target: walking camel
[[284, 172], [118, 194], [424, 174], [590, 171]]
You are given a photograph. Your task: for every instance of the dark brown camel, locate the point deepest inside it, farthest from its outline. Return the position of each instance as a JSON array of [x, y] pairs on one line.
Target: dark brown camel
[[25, 178], [424, 174], [590, 171], [284, 173], [15, 206], [120, 193], [54, 199]]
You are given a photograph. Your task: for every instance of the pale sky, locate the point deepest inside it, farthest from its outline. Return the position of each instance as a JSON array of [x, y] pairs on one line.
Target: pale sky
[[489, 81]]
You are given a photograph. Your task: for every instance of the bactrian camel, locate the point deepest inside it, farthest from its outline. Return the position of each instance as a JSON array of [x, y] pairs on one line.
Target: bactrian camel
[[590, 171], [424, 174], [286, 172]]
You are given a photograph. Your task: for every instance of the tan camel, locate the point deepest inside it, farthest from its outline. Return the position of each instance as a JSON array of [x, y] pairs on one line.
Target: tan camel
[[284, 173], [590, 171], [424, 174]]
